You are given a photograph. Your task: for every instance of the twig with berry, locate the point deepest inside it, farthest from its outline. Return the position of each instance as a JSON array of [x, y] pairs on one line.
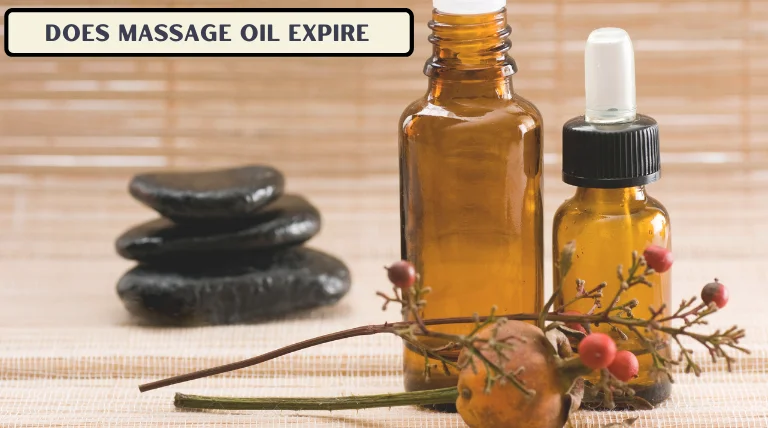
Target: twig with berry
[[514, 360], [409, 293], [657, 327]]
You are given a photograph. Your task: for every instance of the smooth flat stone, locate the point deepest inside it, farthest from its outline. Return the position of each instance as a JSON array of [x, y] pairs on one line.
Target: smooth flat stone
[[290, 220], [202, 195], [255, 287]]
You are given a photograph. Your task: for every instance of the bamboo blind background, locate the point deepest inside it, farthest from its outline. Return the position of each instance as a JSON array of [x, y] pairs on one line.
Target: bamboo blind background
[[73, 131]]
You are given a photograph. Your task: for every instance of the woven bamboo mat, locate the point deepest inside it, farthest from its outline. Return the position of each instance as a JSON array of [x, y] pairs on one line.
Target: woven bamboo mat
[[70, 356], [73, 131]]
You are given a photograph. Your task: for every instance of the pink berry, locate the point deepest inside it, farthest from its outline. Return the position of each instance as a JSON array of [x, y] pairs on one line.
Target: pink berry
[[715, 292], [402, 274], [574, 325], [658, 258], [597, 351], [625, 366]]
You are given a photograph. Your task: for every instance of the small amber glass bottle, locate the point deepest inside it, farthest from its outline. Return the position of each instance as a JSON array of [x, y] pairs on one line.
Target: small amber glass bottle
[[610, 154], [470, 177]]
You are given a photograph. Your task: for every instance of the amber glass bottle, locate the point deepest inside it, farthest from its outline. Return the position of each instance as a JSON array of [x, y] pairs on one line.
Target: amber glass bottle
[[610, 154], [607, 225], [470, 169]]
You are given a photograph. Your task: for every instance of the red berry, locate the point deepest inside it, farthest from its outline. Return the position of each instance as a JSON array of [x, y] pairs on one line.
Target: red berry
[[597, 351], [402, 274], [658, 258], [625, 366], [574, 325], [715, 292]]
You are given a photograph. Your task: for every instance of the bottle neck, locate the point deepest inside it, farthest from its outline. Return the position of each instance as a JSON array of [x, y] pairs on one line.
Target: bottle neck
[[623, 196], [470, 56]]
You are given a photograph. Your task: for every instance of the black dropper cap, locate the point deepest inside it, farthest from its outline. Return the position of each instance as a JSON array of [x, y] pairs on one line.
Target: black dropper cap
[[611, 156]]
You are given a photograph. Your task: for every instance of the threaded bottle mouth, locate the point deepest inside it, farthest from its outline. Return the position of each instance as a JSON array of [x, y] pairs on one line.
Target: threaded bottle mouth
[[460, 29], [471, 41]]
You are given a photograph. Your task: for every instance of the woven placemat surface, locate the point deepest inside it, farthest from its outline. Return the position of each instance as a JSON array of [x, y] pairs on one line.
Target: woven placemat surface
[[71, 356]]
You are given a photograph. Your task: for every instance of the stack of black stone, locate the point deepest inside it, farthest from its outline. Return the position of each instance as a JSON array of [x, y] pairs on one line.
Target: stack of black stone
[[227, 249]]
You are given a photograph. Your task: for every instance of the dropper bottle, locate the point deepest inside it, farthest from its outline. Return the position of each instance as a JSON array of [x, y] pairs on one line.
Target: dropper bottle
[[610, 154]]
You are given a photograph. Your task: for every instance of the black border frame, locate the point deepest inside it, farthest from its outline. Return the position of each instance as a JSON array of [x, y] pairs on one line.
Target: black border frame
[[206, 10]]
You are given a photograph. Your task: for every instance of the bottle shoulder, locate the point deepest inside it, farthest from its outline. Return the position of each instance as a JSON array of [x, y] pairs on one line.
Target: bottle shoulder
[[569, 207], [516, 112], [655, 204], [529, 107], [413, 108], [605, 226], [574, 207]]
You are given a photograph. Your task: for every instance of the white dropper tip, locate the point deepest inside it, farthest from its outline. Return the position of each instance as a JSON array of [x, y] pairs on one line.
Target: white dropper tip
[[609, 77]]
